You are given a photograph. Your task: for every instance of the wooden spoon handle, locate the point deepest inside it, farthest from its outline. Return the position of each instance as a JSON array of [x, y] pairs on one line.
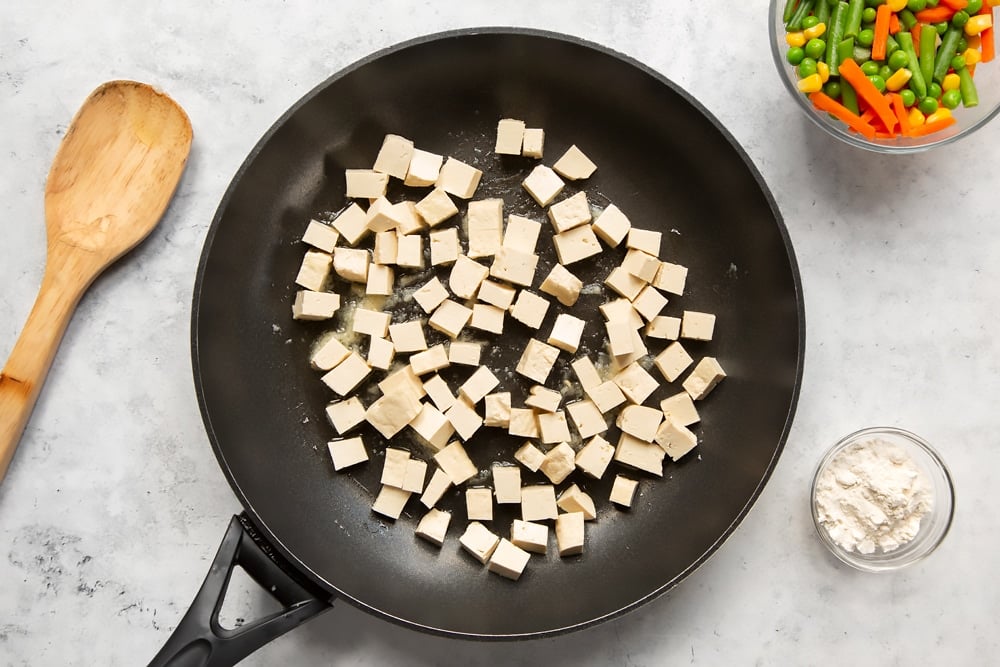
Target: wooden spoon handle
[[29, 362]]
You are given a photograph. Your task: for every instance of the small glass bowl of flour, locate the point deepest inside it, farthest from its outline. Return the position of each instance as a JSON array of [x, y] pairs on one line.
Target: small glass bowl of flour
[[882, 499]]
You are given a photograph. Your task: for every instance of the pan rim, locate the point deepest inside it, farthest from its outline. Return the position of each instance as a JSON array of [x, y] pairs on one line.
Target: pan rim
[[294, 562]]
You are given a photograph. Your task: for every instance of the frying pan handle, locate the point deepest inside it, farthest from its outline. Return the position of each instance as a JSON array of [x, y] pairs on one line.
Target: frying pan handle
[[201, 641]]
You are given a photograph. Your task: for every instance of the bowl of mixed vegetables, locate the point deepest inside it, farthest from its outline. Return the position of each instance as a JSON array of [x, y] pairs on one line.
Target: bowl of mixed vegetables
[[893, 76]]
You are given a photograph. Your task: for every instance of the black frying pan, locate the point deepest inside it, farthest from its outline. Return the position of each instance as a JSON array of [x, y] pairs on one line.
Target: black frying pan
[[308, 533]]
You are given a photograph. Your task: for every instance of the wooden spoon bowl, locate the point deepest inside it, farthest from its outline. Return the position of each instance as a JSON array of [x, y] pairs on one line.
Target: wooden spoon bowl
[[112, 178]]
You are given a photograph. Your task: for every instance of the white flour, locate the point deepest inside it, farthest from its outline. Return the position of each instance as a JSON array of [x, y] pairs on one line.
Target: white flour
[[872, 496]]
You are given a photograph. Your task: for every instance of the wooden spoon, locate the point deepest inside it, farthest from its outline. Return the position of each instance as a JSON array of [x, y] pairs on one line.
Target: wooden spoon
[[110, 182]]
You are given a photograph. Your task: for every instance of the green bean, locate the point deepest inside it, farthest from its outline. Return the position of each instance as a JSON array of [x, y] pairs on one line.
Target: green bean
[[789, 11], [800, 13], [849, 98], [891, 45], [823, 13], [946, 52], [928, 44], [917, 82], [853, 26], [908, 19], [916, 5], [834, 38], [967, 87]]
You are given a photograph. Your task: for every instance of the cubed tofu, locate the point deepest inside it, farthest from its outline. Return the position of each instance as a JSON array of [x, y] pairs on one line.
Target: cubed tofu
[[497, 410], [522, 233], [433, 527], [479, 541], [430, 295], [621, 310], [464, 418], [314, 306], [640, 421], [393, 412], [676, 440], [314, 270], [459, 179], [569, 533], [485, 227], [394, 156], [496, 294], [424, 168], [553, 427], [436, 207], [619, 362], [466, 276], [697, 326], [646, 456], [624, 283], [537, 360], [408, 220], [439, 392], [408, 336], [538, 502], [530, 536], [542, 399], [480, 383], [507, 484], [410, 251], [529, 309], [671, 278], [487, 318], [563, 285], [587, 418], [529, 456], [351, 264], [436, 488], [508, 560], [380, 353], [405, 379], [321, 236], [586, 373], [345, 415], [641, 264], [623, 491], [644, 239], [574, 165], [514, 266], [416, 473], [673, 361], [664, 327], [347, 452], [432, 426], [510, 136], [680, 409], [455, 463], [574, 499], [577, 244], [380, 280], [445, 247], [382, 216], [559, 461], [567, 332], [620, 339], [523, 423], [704, 378], [394, 467], [449, 318], [479, 504], [386, 247], [595, 457], [606, 396], [390, 502], [649, 303], [570, 212], [612, 226], [636, 383], [533, 144], [352, 223], [347, 375], [371, 322], [464, 353], [365, 183], [430, 360], [543, 184]]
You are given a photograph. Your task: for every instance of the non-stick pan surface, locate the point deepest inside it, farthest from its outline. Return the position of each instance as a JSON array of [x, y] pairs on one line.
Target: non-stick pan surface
[[663, 159]]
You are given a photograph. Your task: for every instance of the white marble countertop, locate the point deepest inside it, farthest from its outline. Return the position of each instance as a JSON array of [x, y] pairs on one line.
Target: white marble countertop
[[114, 504]]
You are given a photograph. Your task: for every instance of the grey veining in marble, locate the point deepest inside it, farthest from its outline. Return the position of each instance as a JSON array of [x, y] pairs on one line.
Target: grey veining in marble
[[114, 504]]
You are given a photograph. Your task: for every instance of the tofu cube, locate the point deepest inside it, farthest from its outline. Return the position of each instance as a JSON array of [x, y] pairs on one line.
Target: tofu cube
[[352, 223], [676, 440], [523, 423], [577, 244], [371, 322], [649, 302], [530, 536], [347, 452], [390, 502], [436, 207], [570, 212], [431, 295], [522, 233], [704, 378], [408, 220], [433, 527], [479, 541], [538, 502], [567, 332], [641, 264], [455, 463], [403, 380], [392, 413], [480, 383], [380, 280], [439, 392], [620, 340], [644, 239], [449, 318], [485, 227], [507, 484], [498, 410], [487, 318], [636, 383], [479, 504], [445, 247], [668, 328], [640, 421], [680, 409], [314, 306], [529, 309], [586, 373], [496, 294], [394, 156], [416, 472], [514, 266], [569, 534], [365, 183], [574, 165], [559, 462], [575, 499], [529, 456], [563, 285], [537, 360], [386, 247], [429, 361], [553, 427], [382, 216], [321, 236], [697, 326], [623, 491], [432, 426], [621, 310], [466, 276], [464, 353], [351, 264], [543, 185], [345, 415], [612, 226], [424, 168], [545, 400], [606, 396], [624, 283], [459, 179], [436, 488], [671, 278], [533, 144], [595, 457], [464, 418], [508, 560], [314, 270], [510, 136], [380, 353], [673, 361], [587, 418], [347, 375], [646, 456], [408, 336], [410, 251]]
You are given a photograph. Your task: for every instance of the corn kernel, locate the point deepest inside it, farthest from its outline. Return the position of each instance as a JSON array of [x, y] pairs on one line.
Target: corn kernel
[[795, 38], [898, 79], [823, 70], [811, 84], [940, 114], [896, 5], [978, 23], [916, 117], [950, 82], [972, 56], [815, 31]]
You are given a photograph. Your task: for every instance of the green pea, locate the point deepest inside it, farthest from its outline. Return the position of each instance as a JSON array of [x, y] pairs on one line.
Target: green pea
[[807, 67], [916, 5], [868, 15], [869, 68], [885, 71], [973, 7], [898, 60], [878, 82], [941, 27], [809, 22], [960, 19], [952, 99], [928, 105], [832, 88], [958, 62], [866, 37], [909, 97], [934, 90], [815, 48], [795, 55]]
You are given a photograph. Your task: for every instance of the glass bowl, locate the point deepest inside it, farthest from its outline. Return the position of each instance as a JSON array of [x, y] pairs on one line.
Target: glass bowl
[[933, 525], [987, 78]]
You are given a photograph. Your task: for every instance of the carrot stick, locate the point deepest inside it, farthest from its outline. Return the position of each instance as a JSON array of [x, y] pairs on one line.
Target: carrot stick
[[824, 102], [894, 26], [915, 32], [957, 5], [935, 14], [865, 89], [986, 44], [881, 32], [901, 115], [931, 128]]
